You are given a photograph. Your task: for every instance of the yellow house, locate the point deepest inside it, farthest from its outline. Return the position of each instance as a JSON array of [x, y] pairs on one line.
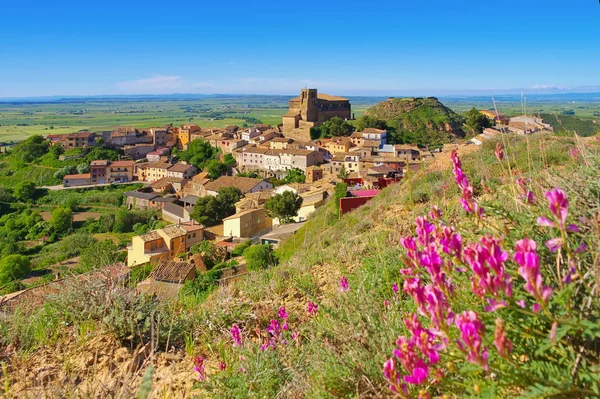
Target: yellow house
[[247, 223], [184, 135], [164, 244], [339, 146]]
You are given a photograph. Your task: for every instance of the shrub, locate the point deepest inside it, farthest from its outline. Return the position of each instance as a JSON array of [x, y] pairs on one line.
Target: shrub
[[14, 267], [260, 257]]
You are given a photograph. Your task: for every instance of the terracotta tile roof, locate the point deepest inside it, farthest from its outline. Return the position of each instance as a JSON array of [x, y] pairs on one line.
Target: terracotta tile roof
[[244, 212], [191, 226], [200, 176], [252, 150], [78, 176], [244, 184], [159, 165], [371, 143], [120, 164], [180, 168], [162, 182], [381, 169], [151, 236], [172, 271], [373, 130], [173, 231]]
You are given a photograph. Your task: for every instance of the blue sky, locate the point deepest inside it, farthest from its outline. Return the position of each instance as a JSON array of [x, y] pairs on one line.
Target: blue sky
[[276, 47]]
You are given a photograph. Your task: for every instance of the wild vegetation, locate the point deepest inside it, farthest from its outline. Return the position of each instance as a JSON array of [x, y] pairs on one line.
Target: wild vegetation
[[476, 279]]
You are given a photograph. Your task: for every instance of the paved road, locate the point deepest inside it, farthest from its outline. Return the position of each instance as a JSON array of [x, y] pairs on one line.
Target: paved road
[[61, 187]]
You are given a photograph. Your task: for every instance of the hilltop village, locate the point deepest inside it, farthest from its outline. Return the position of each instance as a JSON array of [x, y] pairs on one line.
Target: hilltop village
[[238, 186]]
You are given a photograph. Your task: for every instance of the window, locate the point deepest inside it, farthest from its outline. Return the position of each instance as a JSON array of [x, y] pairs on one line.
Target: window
[[181, 239], [194, 235]]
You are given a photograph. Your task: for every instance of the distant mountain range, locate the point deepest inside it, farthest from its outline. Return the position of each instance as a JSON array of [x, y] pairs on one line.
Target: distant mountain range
[[540, 93]]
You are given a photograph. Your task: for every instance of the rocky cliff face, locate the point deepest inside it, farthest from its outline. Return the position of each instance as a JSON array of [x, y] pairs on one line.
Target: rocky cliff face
[[418, 113]]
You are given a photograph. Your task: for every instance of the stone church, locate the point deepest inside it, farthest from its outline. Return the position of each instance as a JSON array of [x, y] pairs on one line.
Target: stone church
[[311, 109]]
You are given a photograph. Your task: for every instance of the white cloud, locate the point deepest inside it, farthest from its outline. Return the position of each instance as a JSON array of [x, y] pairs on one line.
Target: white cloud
[[161, 84]]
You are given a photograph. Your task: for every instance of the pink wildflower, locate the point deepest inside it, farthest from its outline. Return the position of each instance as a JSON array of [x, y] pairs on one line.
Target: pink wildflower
[[419, 374], [312, 308], [344, 287], [199, 367], [392, 375], [236, 335], [282, 313], [526, 256], [222, 366], [526, 194], [499, 152], [468, 202], [424, 230], [438, 308], [413, 287], [274, 328], [501, 342], [395, 288], [554, 244], [559, 205], [450, 241], [472, 331], [486, 260]]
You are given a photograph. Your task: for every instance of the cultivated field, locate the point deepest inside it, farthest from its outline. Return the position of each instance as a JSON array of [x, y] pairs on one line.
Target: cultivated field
[[19, 120]]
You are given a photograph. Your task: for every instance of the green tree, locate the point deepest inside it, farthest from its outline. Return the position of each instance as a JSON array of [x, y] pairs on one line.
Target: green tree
[[24, 191], [343, 173], [283, 206], [333, 127], [30, 149], [228, 196], [61, 221], [205, 211], [14, 267], [209, 210], [83, 168], [65, 170], [198, 153], [260, 257], [367, 121], [229, 160], [476, 121], [215, 168], [295, 175]]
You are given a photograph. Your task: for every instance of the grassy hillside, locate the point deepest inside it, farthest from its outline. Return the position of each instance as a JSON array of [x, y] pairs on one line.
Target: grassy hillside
[[423, 121], [418, 113], [338, 349]]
